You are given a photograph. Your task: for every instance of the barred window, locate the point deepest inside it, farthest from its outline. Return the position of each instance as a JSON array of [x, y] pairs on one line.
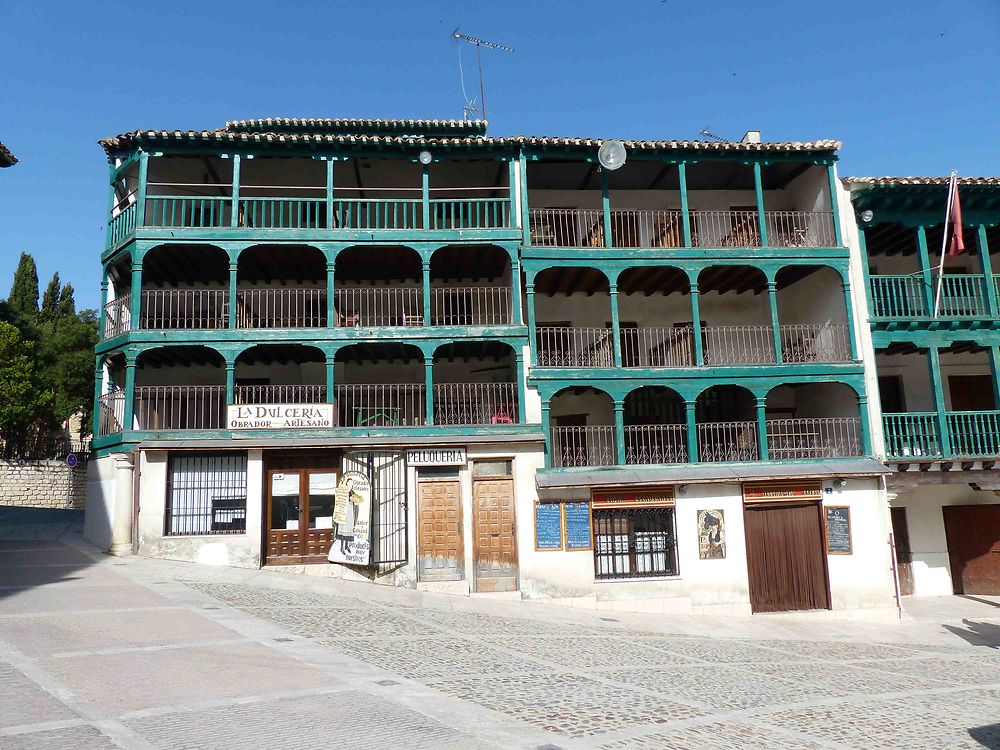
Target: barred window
[[634, 543], [207, 495]]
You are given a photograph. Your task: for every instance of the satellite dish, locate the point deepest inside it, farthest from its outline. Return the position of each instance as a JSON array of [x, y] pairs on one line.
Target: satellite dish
[[611, 155]]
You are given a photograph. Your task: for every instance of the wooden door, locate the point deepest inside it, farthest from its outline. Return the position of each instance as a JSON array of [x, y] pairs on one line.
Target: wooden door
[[495, 549], [971, 392], [786, 557], [440, 549], [904, 555], [973, 534], [299, 512]]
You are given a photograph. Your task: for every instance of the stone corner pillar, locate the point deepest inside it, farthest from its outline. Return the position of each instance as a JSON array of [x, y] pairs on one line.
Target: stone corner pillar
[[121, 530]]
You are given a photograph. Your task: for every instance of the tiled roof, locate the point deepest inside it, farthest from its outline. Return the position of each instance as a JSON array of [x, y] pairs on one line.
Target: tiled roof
[[424, 133], [7, 159], [903, 181]]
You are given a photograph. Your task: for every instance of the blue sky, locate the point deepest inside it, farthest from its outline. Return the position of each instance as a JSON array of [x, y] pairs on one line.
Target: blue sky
[[909, 86]]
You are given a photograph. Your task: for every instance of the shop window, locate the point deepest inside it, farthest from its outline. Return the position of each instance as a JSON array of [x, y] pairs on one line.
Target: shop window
[[207, 495], [492, 469], [634, 543]]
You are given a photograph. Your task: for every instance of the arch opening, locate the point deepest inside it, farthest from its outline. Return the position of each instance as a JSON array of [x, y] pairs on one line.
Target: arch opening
[[582, 428]]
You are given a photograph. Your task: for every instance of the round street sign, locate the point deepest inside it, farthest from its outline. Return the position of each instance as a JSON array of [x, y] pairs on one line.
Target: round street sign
[[71, 460]]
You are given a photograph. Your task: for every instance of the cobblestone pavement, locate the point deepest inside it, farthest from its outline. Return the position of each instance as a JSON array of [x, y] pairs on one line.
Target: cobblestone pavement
[[97, 653]]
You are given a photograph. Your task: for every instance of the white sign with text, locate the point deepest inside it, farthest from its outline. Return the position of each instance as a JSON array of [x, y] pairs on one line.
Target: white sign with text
[[279, 416]]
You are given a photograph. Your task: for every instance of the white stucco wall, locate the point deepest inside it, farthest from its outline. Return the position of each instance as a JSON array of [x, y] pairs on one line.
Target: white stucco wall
[[98, 519]]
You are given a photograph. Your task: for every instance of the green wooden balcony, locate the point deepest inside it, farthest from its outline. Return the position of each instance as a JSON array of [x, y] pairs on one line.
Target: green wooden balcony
[[907, 297], [926, 436]]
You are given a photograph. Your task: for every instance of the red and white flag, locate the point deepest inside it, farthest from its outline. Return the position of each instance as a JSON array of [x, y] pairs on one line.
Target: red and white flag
[[956, 246]]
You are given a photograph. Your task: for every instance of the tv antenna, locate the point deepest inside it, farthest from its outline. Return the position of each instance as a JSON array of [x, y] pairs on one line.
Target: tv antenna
[[709, 134], [470, 104]]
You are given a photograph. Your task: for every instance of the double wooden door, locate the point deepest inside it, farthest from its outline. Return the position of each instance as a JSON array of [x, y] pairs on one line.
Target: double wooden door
[[973, 534], [440, 548], [495, 549], [299, 522], [786, 557]]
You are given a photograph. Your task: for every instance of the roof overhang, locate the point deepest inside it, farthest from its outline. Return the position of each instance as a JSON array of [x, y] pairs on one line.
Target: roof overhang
[[565, 484]]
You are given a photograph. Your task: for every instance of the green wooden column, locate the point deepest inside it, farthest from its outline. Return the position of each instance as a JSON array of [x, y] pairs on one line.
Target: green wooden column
[[425, 195], [616, 329], [992, 305], [429, 388], [832, 181], [699, 348], [235, 219], [331, 297], [112, 199], [937, 392], [759, 189], [95, 417], [925, 270], [685, 211], [129, 418], [865, 425], [102, 325], [230, 380], [426, 268], [690, 414], [529, 293], [547, 432], [519, 362], [135, 292], [851, 322], [331, 392], [140, 190], [330, 223], [762, 450], [605, 206], [772, 301], [525, 213], [515, 290], [619, 432], [234, 267]]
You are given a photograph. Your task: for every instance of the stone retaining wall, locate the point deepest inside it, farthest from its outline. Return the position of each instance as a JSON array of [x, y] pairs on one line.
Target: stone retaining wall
[[42, 484]]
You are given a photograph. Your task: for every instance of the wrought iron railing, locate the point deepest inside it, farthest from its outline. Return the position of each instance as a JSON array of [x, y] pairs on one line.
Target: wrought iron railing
[[818, 437], [379, 306], [111, 412], [381, 405], [475, 403], [912, 434], [727, 441], [974, 433], [593, 445], [188, 309], [815, 342], [281, 307], [122, 224], [574, 347], [566, 227], [280, 394], [725, 229], [656, 444], [738, 345], [471, 305], [117, 316], [180, 407], [188, 211], [657, 347], [799, 228]]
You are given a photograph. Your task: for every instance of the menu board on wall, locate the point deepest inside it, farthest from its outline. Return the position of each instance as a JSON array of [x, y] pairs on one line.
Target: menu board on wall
[[577, 525], [548, 526], [838, 530]]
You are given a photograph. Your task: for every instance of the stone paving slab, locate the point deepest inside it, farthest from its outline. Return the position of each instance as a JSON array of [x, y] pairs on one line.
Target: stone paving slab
[[24, 702], [84, 737], [46, 599]]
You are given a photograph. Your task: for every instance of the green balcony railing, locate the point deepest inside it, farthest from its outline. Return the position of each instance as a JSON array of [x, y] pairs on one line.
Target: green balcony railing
[[121, 224], [202, 212], [283, 213], [974, 433], [963, 295], [913, 434]]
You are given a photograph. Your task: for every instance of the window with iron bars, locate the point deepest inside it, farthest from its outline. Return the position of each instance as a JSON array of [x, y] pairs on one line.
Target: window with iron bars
[[634, 543], [207, 494]]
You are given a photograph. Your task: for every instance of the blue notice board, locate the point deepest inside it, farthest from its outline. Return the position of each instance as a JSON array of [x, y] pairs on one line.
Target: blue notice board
[[548, 526], [578, 525]]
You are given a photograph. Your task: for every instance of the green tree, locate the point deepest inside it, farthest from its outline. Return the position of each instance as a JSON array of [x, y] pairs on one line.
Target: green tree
[[23, 300], [50, 299], [23, 402]]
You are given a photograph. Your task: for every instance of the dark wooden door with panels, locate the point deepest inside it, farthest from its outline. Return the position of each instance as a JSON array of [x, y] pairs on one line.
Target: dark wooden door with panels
[[299, 514]]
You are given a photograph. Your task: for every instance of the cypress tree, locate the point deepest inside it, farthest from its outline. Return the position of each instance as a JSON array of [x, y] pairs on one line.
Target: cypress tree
[[23, 299]]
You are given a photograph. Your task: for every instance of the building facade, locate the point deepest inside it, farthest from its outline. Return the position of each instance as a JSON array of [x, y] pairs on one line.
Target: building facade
[[476, 364], [936, 328]]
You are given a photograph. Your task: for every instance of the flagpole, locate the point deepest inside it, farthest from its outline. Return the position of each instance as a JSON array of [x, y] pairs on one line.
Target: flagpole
[[952, 184]]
